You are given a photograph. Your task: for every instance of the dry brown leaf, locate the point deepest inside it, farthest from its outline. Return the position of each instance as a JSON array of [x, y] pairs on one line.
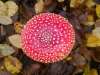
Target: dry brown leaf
[[15, 40], [12, 8], [6, 50], [96, 54], [55, 68], [77, 70], [48, 3], [77, 59], [3, 9], [75, 3], [12, 64], [25, 12], [39, 6], [18, 26], [85, 52], [5, 20], [96, 32], [32, 69], [83, 18], [2, 30]]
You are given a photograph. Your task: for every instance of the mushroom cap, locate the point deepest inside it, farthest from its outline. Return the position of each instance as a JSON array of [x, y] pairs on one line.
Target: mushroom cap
[[47, 38]]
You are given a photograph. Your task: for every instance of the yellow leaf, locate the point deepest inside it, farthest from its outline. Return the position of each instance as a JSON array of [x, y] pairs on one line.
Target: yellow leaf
[[90, 3], [18, 27], [75, 3], [96, 32], [12, 64], [87, 70], [2, 8], [11, 8], [5, 20], [93, 72], [3, 71], [6, 50], [90, 20], [60, 0], [64, 8], [39, 6], [98, 10], [15, 40], [92, 41], [68, 58]]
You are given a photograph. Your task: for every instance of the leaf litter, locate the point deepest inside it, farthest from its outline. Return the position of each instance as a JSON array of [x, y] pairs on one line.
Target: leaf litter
[[84, 15]]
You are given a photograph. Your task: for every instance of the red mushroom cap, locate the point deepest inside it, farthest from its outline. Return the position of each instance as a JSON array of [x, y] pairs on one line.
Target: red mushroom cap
[[47, 38]]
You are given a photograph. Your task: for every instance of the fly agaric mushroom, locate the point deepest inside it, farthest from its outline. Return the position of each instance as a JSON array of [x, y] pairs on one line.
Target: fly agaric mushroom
[[47, 38]]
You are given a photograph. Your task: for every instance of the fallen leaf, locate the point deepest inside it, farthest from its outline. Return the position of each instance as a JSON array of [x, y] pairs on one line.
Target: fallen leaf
[[77, 59], [64, 8], [67, 69], [85, 52], [90, 20], [83, 18], [2, 30], [87, 70], [90, 3], [2, 64], [96, 32], [93, 72], [12, 8], [96, 54], [32, 69], [18, 26], [68, 58], [60, 0], [2, 8], [55, 68], [97, 24], [77, 70], [75, 3], [5, 20], [50, 9], [15, 40], [92, 41], [98, 10], [12, 64], [48, 3], [6, 50], [39, 6], [5, 72], [26, 12]]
